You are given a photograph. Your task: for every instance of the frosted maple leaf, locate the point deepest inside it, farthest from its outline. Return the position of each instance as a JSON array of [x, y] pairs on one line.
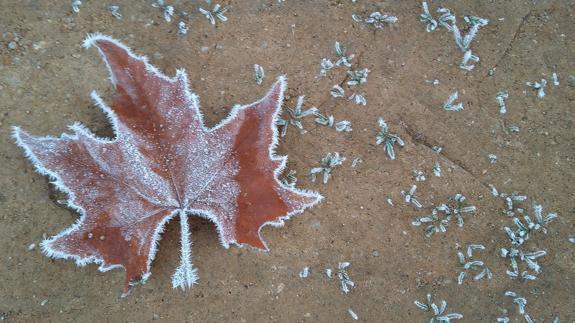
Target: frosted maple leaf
[[163, 162]]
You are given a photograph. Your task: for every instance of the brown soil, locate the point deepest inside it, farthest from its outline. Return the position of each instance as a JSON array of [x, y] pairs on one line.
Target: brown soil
[[46, 78]]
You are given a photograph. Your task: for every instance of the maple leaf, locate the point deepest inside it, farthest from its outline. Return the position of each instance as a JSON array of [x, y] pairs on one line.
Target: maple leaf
[[163, 162]]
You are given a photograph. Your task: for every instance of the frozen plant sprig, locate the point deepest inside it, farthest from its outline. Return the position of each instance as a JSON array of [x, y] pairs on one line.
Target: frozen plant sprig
[[289, 179], [514, 273], [446, 18], [167, 10], [449, 104], [520, 301], [522, 231], [115, 10], [433, 222], [345, 283], [418, 175], [501, 97], [217, 13], [474, 23], [438, 311], [343, 58], [329, 121], [357, 77], [387, 139], [555, 79], [343, 126], [468, 59], [295, 116], [76, 5], [410, 197], [358, 98], [182, 28], [376, 19], [337, 91], [470, 264], [259, 74], [494, 191], [325, 65], [327, 164], [492, 158], [461, 207], [510, 200], [540, 220], [437, 169], [323, 120], [539, 87], [427, 19], [530, 259]]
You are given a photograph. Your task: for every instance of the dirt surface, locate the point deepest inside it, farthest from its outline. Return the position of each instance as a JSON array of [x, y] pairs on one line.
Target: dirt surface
[[46, 78]]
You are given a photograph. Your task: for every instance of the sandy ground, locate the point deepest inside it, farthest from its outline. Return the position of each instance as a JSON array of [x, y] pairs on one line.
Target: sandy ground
[[46, 78]]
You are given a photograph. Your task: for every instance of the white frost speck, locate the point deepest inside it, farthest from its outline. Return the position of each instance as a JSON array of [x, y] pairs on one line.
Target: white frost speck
[[304, 273]]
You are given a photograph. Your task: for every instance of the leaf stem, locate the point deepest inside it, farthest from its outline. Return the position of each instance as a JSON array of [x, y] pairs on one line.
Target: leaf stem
[[185, 275]]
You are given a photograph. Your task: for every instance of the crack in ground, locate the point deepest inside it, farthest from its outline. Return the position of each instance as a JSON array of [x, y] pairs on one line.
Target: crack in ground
[[518, 30], [422, 139]]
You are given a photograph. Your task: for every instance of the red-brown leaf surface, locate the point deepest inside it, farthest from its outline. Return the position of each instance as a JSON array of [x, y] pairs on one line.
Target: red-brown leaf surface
[[162, 163]]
